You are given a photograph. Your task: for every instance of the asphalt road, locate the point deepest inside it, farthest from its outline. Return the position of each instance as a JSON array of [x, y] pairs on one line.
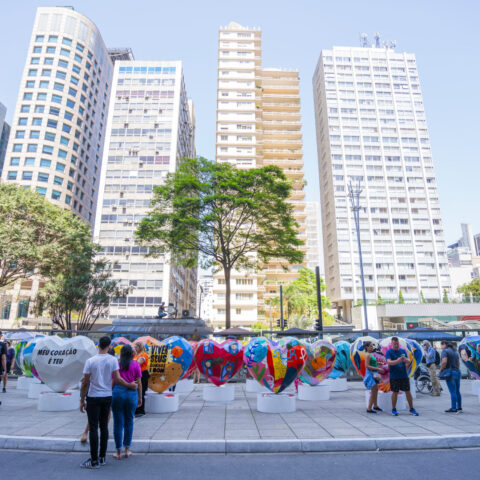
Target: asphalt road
[[437, 464]]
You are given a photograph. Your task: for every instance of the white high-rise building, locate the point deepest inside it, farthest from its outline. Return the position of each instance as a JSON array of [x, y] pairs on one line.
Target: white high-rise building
[[313, 231], [258, 124], [4, 134], [371, 128], [59, 122], [150, 129]]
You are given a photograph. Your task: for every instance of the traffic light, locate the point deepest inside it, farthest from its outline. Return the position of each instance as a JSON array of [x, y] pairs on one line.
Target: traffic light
[[412, 325], [278, 323], [318, 325], [285, 323]]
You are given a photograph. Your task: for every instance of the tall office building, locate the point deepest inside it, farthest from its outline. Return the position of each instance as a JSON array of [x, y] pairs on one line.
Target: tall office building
[[57, 135], [371, 128], [258, 124], [150, 129], [60, 117], [4, 134], [314, 253]]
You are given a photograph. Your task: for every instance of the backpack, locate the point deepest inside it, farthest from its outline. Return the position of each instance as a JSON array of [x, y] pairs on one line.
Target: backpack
[[437, 358]]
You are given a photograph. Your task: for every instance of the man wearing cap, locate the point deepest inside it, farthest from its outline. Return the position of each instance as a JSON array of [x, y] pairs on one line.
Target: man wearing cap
[[430, 355]]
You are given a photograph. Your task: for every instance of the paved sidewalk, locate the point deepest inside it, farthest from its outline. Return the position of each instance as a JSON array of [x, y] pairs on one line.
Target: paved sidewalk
[[213, 426]]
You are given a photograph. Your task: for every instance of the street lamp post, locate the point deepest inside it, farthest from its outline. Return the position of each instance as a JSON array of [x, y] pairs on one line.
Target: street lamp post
[[354, 194]]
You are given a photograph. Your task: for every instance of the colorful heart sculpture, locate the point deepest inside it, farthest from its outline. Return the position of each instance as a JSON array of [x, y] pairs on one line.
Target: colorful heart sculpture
[[148, 341], [342, 359], [320, 360], [413, 349], [469, 350], [168, 361], [275, 365], [193, 365], [25, 358], [60, 362], [219, 362], [118, 343]]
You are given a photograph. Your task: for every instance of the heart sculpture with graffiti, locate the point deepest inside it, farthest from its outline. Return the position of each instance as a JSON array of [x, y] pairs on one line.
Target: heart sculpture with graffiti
[[193, 365], [320, 361], [219, 362], [275, 365], [168, 361]]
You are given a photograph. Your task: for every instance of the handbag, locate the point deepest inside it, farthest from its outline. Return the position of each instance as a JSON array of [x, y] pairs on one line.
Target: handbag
[[445, 373], [368, 380]]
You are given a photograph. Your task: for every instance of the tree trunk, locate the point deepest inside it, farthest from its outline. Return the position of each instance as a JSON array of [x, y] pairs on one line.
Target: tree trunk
[[227, 297]]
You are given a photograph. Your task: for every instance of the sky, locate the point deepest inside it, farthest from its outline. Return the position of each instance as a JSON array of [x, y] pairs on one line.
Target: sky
[[442, 33]]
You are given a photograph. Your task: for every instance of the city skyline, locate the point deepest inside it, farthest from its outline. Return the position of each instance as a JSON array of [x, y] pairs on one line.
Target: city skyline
[[296, 43]]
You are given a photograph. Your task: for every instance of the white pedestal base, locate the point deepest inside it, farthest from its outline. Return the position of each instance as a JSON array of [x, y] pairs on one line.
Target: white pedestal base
[[413, 388], [24, 382], [59, 402], [252, 386], [276, 402], [475, 387], [35, 389], [184, 386], [385, 401], [337, 384], [223, 394], [161, 402], [314, 393]]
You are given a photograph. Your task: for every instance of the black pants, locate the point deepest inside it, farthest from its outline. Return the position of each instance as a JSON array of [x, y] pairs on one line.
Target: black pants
[[145, 377], [98, 409]]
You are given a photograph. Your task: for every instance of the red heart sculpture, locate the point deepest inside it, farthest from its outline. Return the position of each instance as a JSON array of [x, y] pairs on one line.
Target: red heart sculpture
[[193, 365], [219, 362]]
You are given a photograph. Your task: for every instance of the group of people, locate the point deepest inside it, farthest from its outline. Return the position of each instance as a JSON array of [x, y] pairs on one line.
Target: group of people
[[398, 361], [118, 385]]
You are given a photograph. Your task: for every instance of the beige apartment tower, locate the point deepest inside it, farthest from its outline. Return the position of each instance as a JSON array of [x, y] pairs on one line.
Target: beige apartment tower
[[258, 124]]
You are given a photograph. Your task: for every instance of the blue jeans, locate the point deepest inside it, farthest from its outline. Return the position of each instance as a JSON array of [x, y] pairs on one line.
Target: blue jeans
[[124, 403], [453, 384]]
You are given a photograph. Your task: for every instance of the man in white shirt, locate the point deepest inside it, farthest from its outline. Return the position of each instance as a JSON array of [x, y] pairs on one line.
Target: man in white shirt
[[97, 381]]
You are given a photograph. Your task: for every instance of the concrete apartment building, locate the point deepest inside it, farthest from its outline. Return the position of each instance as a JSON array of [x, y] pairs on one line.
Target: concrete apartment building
[[313, 231], [4, 135], [58, 129], [258, 124], [150, 129], [371, 128]]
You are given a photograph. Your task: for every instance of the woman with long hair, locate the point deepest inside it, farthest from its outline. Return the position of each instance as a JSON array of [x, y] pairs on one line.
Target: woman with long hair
[[374, 370], [141, 358], [125, 401]]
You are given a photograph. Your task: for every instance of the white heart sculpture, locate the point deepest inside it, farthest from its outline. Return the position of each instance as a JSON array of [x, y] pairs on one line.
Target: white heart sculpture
[[59, 362]]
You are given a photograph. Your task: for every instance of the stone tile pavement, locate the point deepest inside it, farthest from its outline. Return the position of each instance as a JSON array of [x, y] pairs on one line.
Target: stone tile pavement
[[342, 417]]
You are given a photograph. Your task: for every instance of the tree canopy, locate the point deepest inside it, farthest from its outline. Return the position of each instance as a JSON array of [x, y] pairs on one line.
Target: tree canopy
[[35, 235], [214, 214], [471, 288]]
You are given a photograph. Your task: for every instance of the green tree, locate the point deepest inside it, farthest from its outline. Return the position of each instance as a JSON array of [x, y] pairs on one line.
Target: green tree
[[214, 214], [400, 297], [35, 236], [259, 326], [472, 288], [445, 296], [422, 297], [80, 294], [380, 300]]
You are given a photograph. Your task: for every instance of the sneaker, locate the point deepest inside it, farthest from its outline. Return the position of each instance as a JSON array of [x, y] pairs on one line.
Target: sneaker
[[89, 464], [371, 411], [414, 412], [451, 410], [394, 412], [4, 390], [102, 461], [459, 410], [378, 409], [139, 414]]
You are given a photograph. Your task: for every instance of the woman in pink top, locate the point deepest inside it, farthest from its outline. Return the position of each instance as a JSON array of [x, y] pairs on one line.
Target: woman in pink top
[[125, 401]]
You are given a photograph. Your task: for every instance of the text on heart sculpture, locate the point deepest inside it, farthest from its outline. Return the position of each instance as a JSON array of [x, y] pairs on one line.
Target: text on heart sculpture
[[275, 365], [320, 361], [219, 362], [60, 362], [193, 365], [168, 362]]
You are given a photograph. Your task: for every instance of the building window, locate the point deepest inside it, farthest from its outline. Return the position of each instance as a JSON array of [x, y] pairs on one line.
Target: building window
[[32, 72], [39, 108], [17, 147], [29, 162], [12, 176], [41, 96], [20, 134], [47, 149], [43, 177], [15, 161], [44, 83], [45, 163], [56, 195], [41, 191], [53, 38], [25, 108], [35, 134], [28, 96], [32, 147], [39, 38], [36, 122], [60, 167], [27, 175], [22, 121], [50, 136], [238, 311]]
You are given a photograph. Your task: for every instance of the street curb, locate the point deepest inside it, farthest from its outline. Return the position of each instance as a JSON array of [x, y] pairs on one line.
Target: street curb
[[52, 444]]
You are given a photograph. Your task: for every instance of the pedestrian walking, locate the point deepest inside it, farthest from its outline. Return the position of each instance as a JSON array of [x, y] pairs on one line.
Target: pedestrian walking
[[141, 358], [450, 372], [431, 361], [125, 401], [372, 377], [96, 389], [3, 363], [397, 359]]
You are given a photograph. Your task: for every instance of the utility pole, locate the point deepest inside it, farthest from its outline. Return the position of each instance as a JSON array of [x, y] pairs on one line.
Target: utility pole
[[354, 194], [319, 325], [281, 307]]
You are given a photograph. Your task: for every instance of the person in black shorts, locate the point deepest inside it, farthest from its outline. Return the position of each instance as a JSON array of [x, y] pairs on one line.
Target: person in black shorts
[[397, 359]]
